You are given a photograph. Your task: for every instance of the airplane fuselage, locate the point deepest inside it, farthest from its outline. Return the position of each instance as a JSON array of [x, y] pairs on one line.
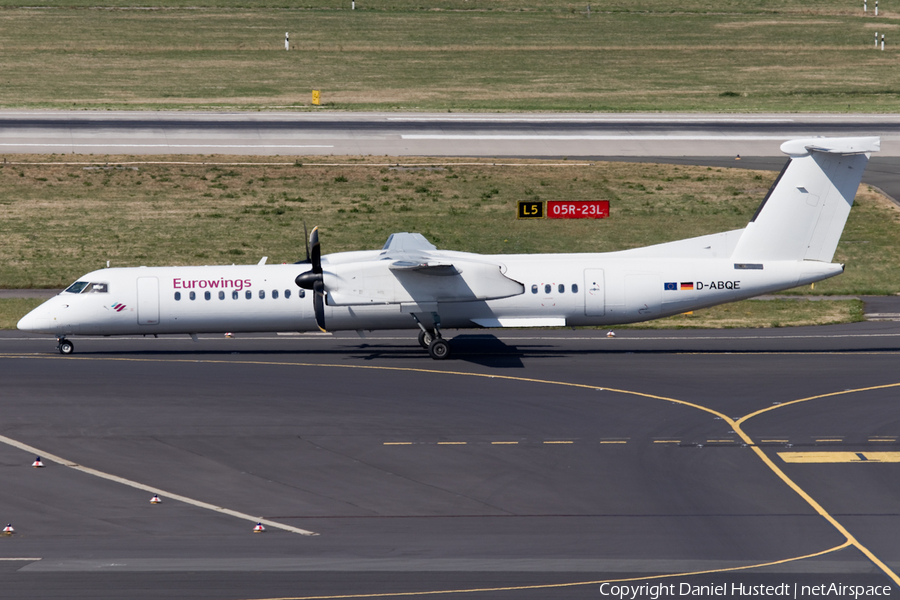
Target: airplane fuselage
[[559, 289]]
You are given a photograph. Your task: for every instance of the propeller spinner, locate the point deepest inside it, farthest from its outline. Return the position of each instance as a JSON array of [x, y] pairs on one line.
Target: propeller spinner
[[313, 279]]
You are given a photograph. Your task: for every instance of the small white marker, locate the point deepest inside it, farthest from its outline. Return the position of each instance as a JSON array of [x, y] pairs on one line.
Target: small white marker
[[8, 530], [155, 499], [37, 464], [259, 528]]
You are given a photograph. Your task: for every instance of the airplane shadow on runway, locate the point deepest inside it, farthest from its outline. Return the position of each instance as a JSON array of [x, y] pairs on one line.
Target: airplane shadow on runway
[[481, 349]]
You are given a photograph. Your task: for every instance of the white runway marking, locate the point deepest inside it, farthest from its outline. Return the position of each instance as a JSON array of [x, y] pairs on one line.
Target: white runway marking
[[467, 119], [165, 145], [597, 138], [198, 503]]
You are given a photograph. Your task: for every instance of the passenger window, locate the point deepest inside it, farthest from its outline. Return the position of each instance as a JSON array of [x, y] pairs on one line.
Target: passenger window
[[221, 295], [248, 294], [178, 295], [562, 289], [193, 296], [207, 295], [574, 288], [234, 295], [76, 287], [262, 294], [534, 289], [287, 293], [301, 293], [274, 294], [547, 288]]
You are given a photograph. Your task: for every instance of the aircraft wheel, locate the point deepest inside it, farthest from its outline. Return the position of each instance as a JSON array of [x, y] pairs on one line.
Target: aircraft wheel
[[425, 339], [439, 349], [66, 347]]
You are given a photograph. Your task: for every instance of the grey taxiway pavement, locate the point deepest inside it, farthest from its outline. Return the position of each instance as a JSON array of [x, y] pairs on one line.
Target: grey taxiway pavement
[[542, 461]]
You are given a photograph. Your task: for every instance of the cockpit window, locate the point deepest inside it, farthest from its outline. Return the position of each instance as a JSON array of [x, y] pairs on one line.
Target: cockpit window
[[86, 287]]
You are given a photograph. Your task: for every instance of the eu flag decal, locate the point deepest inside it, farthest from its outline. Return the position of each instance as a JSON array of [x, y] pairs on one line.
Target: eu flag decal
[[670, 287]]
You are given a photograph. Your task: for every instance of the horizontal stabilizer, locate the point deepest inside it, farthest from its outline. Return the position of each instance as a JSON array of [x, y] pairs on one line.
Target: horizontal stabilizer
[[859, 145]]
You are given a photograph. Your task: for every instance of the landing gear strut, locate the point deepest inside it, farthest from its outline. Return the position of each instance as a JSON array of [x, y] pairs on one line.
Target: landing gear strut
[[438, 348], [65, 346]]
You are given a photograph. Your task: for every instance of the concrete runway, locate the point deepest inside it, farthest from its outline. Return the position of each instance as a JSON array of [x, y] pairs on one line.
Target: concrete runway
[[427, 134], [533, 459]]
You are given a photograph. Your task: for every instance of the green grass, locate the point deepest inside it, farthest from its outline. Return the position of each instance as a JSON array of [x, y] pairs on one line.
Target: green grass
[[59, 221], [759, 55]]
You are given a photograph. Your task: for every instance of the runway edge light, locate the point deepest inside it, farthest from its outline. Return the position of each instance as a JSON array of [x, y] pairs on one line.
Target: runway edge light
[[37, 464], [259, 528], [8, 530], [155, 499]]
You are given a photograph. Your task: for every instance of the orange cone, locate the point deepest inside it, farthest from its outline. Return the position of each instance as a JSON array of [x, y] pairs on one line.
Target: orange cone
[[37, 464], [259, 528], [155, 500]]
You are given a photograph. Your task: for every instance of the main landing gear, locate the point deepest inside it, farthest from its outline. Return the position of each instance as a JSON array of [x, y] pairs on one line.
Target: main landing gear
[[65, 346], [438, 348]]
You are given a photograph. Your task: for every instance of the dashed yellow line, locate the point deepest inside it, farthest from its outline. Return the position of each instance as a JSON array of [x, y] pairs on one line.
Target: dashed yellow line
[[613, 442], [719, 441], [666, 441], [452, 443], [774, 441], [830, 440], [398, 443], [559, 442], [503, 443]]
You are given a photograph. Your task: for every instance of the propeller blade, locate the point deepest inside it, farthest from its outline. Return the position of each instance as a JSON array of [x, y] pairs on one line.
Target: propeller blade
[[316, 251], [319, 303]]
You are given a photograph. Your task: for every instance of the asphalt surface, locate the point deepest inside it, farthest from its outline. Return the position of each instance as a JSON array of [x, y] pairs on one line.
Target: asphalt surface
[[530, 459], [427, 134]]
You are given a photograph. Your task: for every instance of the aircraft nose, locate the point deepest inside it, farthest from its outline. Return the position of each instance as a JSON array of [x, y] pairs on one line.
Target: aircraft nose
[[37, 321]]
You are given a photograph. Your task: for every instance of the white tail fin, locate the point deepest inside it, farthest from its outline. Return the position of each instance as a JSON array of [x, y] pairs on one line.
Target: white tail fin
[[804, 213]]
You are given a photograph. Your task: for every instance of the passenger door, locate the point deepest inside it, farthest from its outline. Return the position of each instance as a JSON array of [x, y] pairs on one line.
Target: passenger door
[[148, 300], [594, 293]]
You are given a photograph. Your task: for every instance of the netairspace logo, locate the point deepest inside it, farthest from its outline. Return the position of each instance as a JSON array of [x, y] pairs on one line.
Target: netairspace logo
[[657, 591]]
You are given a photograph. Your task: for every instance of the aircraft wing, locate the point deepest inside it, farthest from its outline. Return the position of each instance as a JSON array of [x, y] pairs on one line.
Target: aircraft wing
[[411, 270]]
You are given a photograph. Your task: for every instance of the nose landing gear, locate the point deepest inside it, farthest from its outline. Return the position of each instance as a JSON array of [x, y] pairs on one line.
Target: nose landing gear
[[65, 346]]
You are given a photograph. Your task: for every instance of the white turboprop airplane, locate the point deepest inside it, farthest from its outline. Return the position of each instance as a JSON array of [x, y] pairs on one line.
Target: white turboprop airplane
[[409, 283]]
